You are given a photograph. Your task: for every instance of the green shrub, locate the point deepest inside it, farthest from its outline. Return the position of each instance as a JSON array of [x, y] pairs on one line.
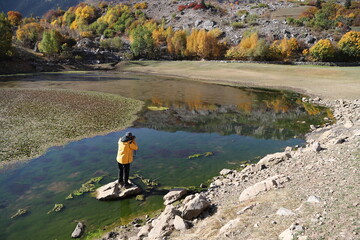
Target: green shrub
[[238, 25]]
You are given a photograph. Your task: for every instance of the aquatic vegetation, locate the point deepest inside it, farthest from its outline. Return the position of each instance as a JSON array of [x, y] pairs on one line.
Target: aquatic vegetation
[[34, 120], [140, 197], [57, 208], [150, 184], [19, 213], [197, 155], [155, 108], [89, 186]]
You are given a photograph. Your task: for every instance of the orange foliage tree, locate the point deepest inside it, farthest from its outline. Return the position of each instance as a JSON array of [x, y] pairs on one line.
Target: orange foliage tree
[[14, 17]]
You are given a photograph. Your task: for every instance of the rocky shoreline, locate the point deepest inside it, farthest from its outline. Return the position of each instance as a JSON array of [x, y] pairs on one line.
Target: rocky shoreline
[[310, 192]]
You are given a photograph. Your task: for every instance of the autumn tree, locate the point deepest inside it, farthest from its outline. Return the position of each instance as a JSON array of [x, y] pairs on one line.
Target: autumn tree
[[349, 44], [284, 49], [323, 50], [51, 42], [5, 36], [250, 47], [176, 43], [29, 34], [14, 17]]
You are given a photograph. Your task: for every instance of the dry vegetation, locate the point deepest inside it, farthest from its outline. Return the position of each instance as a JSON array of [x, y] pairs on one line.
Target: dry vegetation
[[33, 120]]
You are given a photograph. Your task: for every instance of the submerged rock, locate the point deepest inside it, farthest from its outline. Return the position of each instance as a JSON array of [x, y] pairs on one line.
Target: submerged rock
[[113, 191]]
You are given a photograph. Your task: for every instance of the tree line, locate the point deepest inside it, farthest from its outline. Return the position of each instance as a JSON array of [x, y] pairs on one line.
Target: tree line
[[58, 31]]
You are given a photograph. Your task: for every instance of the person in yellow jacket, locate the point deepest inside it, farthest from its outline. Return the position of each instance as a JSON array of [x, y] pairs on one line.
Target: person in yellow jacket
[[125, 156]]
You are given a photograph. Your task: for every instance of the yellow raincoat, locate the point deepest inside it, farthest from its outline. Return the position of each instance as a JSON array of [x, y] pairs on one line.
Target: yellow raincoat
[[125, 151]]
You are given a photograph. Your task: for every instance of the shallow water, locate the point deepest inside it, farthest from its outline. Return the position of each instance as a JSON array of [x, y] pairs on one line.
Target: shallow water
[[236, 124]]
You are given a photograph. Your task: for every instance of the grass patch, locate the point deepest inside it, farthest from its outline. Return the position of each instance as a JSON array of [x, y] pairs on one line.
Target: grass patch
[[33, 120]]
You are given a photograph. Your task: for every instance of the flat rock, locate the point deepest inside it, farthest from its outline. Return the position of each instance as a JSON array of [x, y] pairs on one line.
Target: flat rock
[[263, 186], [173, 195], [113, 191], [79, 229], [273, 159]]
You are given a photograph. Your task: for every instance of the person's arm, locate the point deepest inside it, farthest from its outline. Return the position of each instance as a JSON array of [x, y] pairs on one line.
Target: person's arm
[[133, 145]]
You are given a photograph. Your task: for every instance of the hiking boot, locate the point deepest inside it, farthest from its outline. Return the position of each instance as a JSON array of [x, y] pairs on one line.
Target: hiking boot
[[128, 185]]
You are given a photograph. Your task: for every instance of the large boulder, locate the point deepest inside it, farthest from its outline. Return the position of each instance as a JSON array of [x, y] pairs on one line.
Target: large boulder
[[113, 191], [164, 224], [194, 205], [78, 231], [263, 186], [173, 195], [273, 159]]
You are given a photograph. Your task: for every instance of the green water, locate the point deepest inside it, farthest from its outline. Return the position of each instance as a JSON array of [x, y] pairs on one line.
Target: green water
[[236, 124]]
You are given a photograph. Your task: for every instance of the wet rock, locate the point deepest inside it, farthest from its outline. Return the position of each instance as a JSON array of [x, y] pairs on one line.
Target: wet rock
[[173, 195], [284, 212], [194, 207], [113, 191], [263, 186], [273, 159], [180, 224], [79, 229]]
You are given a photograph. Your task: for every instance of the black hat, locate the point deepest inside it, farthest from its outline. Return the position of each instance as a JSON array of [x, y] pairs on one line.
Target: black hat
[[127, 137]]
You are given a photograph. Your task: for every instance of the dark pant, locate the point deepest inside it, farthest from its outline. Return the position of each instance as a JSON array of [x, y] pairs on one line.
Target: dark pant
[[124, 170]]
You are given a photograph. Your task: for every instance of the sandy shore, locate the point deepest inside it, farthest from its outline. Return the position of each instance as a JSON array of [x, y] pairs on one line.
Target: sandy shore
[[326, 82]]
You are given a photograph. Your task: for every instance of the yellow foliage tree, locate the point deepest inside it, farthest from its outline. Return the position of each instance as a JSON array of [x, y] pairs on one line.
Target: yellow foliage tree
[[250, 47], [160, 35], [204, 44], [176, 43], [284, 49], [349, 44], [323, 50]]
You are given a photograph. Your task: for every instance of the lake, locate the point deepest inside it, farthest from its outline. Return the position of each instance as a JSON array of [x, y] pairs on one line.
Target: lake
[[180, 118]]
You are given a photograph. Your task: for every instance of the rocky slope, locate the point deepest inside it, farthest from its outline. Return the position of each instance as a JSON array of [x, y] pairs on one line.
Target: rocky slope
[[307, 193]]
